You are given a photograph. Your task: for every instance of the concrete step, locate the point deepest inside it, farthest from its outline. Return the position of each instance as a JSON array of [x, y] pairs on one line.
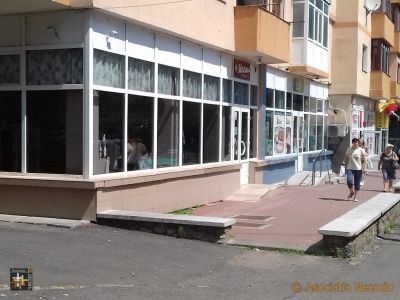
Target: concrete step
[[252, 192]]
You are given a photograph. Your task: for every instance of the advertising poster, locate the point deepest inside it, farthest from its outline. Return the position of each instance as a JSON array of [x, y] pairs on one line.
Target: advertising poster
[[279, 134]]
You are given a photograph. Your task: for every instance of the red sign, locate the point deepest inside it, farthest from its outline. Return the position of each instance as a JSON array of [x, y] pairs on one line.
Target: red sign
[[241, 69]]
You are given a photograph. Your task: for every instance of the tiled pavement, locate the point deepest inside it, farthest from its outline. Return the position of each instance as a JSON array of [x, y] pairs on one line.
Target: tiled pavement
[[290, 216]]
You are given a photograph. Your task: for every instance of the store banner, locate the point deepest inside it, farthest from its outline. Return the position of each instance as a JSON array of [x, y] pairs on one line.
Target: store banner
[[241, 69], [381, 119]]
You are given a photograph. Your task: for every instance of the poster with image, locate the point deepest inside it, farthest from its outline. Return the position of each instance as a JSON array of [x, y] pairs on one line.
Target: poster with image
[[279, 134], [289, 129]]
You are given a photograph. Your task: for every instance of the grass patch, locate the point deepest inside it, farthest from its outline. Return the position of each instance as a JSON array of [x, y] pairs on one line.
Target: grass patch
[[389, 227], [185, 211], [291, 251]]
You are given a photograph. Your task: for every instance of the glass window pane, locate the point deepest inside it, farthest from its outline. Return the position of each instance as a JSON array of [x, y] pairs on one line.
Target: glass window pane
[[253, 133], [279, 133], [167, 133], [325, 41], [211, 88], [108, 69], [297, 102], [279, 99], [191, 84], [253, 95], [288, 133], [320, 132], [226, 133], [311, 22], [298, 19], [140, 75], [305, 133], [269, 133], [10, 131], [269, 98], [306, 103], [227, 90], [320, 105], [61, 66], [210, 133], [140, 133], [168, 80], [313, 134], [241, 93], [320, 4], [54, 132], [289, 104], [313, 104], [9, 69], [108, 132], [191, 132]]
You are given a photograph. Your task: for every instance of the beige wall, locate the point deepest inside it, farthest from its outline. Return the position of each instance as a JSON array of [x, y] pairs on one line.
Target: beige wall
[[168, 195], [204, 21], [68, 203], [350, 32]]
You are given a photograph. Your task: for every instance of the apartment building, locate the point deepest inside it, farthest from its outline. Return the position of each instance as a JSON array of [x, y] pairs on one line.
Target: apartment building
[[364, 73], [150, 105]]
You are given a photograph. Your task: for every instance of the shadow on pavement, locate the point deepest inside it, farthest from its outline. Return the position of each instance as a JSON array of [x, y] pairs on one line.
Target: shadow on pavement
[[333, 199]]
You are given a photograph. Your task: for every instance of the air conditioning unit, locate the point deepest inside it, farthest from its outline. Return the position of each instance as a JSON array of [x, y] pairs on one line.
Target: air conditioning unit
[[336, 130]]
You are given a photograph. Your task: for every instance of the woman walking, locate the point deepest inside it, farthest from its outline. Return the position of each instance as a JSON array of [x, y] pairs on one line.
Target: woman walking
[[388, 170], [355, 161]]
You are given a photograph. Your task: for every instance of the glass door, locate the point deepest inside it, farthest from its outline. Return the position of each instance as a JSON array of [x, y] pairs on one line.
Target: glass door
[[298, 139], [241, 141]]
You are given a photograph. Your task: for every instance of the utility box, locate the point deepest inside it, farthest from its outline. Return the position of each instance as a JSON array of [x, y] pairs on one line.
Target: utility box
[[336, 130]]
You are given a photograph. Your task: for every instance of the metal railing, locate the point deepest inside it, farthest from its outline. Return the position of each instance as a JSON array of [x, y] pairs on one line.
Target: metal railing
[[273, 6], [319, 156]]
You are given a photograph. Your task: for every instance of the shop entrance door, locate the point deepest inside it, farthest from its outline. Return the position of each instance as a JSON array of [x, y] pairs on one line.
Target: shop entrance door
[[298, 139], [241, 141]]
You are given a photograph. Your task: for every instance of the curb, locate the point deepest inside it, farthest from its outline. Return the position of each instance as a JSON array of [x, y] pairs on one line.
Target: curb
[[64, 223]]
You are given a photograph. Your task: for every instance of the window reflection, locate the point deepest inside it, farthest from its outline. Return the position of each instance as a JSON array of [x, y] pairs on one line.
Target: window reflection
[[54, 132], [108, 131]]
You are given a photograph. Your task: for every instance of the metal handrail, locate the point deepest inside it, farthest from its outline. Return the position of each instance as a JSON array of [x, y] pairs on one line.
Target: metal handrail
[[320, 155]]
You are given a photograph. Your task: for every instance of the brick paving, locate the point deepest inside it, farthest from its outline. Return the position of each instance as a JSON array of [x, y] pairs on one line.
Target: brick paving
[[297, 213]]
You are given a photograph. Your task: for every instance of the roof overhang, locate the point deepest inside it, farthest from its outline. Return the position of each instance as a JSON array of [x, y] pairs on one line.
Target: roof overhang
[[25, 6]]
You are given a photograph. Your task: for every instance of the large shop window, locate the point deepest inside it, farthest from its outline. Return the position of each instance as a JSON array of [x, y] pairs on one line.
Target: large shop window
[[211, 88], [298, 102], [269, 99], [10, 131], [253, 95], [191, 84], [241, 93], [51, 67], [269, 133], [210, 133], [9, 69], [168, 80], [168, 133], [54, 132], [312, 136], [379, 56], [227, 90], [108, 132], [320, 132], [108, 69], [140, 75], [140, 133], [253, 133], [279, 99], [191, 119], [279, 133], [226, 133]]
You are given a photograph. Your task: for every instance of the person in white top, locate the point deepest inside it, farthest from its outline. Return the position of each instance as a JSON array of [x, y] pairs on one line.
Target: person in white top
[[355, 161]]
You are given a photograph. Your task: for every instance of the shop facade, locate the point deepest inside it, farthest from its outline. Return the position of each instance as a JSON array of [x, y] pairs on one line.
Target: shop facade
[[294, 125], [99, 113]]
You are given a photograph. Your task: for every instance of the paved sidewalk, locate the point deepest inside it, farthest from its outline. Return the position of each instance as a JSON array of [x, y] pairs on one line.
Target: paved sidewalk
[[289, 217]]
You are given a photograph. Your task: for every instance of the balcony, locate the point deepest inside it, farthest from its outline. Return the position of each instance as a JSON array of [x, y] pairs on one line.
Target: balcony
[[380, 86], [382, 27], [260, 35], [21, 6], [394, 89], [396, 44]]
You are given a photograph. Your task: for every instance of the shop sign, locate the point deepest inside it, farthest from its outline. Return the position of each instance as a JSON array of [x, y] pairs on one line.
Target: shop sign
[[298, 85], [381, 120], [241, 69]]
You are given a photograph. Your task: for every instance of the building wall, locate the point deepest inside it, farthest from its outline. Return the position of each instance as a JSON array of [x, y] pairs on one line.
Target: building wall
[[169, 194], [44, 201], [204, 21], [350, 32]]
